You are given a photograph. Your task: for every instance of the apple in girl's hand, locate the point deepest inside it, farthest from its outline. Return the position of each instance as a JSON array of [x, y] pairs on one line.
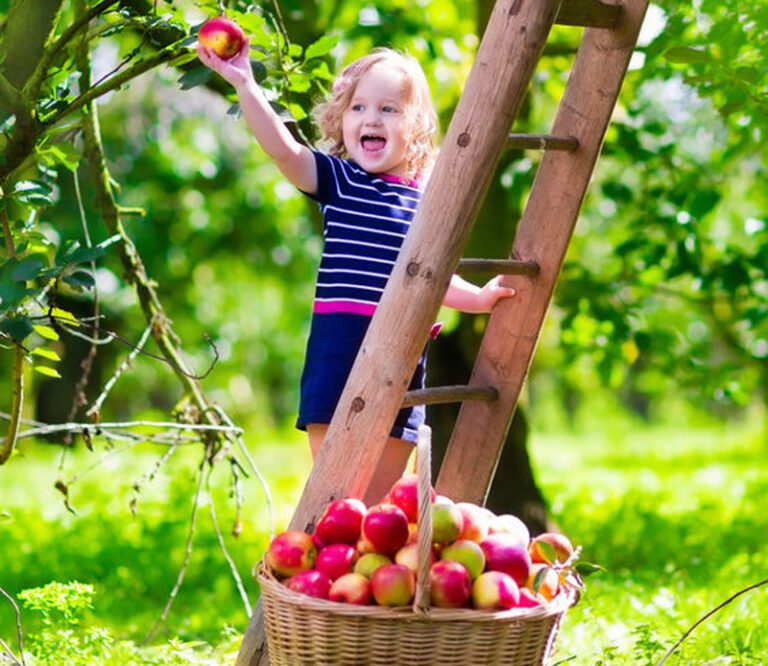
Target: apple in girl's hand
[[351, 588], [405, 494], [336, 560], [223, 36], [369, 562], [476, 522], [504, 553], [385, 526], [291, 552], [512, 525], [447, 522], [494, 590], [393, 585], [449, 584], [467, 553], [313, 583], [557, 543], [340, 522], [548, 580]]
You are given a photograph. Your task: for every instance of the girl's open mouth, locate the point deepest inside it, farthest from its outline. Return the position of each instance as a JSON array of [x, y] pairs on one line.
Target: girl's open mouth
[[372, 143]]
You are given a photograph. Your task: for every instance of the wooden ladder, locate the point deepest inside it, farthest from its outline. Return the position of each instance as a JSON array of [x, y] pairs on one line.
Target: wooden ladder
[[479, 131]]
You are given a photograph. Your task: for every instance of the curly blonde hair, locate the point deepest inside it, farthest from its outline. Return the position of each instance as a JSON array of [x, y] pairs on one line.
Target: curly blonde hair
[[420, 112]]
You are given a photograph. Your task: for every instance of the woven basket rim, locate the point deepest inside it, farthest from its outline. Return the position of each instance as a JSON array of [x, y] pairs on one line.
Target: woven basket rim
[[277, 590]]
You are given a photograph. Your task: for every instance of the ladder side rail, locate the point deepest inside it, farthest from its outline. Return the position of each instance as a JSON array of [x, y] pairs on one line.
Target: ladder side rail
[[543, 235], [399, 330]]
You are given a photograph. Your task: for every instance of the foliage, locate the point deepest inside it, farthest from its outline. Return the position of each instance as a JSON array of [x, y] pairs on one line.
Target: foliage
[[674, 515], [665, 288]]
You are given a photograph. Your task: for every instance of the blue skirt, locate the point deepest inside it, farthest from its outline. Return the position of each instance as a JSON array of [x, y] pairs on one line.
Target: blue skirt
[[334, 340]]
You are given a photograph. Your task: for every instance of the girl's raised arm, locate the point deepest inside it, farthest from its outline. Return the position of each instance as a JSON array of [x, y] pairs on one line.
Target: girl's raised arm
[[294, 159]]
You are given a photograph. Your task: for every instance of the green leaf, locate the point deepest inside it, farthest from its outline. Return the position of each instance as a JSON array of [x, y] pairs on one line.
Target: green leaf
[[686, 55], [80, 279], [321, 47], [45, 332], [66, 154], [80, 255], [44, 352], [16, 327], [538, 579], [48, 372], [585, 569], [33, 193], [66, 316], [28, 269], [195, 77], [548, 551], [259, 70]]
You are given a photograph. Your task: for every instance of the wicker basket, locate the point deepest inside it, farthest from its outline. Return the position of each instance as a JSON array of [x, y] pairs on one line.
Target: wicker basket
[[303, 631]]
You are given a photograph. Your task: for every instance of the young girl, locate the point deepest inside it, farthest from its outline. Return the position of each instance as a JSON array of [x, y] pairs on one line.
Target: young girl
[[380, 126]]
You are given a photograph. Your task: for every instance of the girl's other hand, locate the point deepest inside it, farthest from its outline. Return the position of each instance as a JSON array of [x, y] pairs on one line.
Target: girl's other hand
[[491, 292], [236, 70]]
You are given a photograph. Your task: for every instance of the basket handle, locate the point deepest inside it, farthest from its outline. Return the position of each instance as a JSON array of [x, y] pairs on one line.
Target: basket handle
[[424, 520]]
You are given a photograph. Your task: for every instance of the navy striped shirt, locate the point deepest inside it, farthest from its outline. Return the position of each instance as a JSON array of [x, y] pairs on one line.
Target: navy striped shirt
[[365, 219]]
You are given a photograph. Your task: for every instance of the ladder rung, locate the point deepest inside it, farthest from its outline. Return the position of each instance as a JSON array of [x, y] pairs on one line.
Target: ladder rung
[[444, 394], [499, 266], [588, 13], [542, 142]]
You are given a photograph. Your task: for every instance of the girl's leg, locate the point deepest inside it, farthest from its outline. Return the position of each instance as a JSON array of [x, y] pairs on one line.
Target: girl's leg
[[391, 465]]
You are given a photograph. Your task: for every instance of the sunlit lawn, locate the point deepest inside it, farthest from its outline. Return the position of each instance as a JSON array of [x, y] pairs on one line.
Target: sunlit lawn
[[677, 516]]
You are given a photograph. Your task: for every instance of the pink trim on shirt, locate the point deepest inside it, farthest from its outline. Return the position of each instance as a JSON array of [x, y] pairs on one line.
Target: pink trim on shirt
[[367, 309], [399, 180], [346, 307]]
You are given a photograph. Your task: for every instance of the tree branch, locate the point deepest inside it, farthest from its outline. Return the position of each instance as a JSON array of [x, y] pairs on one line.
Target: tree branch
[[17, 382], [69, 33], [19, 633], [167, 55], [17, 377]]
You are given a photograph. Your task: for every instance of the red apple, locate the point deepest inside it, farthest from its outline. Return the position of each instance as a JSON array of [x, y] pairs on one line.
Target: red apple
[[512, 525], [549, 581], [475, 524], [504, 553], [559, 543], [413, 533], [404, 494], [351, 588], [447, 522], [393, 585], [409, 556], [336, 560], [385, 526], [529, 599], [341, 521], [223, 36], [291, 552], [313, 583], [449, 584], [494, 590], [467, 553], [369, 562]]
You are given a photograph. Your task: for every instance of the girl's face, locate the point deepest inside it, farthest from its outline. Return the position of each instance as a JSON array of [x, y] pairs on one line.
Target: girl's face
[[374, 125]]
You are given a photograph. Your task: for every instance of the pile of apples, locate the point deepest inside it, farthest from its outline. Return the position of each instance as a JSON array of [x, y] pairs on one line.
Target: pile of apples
[[479, 560]]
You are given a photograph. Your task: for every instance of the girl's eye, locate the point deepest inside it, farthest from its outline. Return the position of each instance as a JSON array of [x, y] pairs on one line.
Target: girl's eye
[[357, 107], [389, 109]]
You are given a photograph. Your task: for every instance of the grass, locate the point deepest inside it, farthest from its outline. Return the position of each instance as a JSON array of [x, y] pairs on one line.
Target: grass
[[677, 516]]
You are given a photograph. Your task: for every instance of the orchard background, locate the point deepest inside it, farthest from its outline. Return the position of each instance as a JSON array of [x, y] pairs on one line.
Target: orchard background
[[156, 269]]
